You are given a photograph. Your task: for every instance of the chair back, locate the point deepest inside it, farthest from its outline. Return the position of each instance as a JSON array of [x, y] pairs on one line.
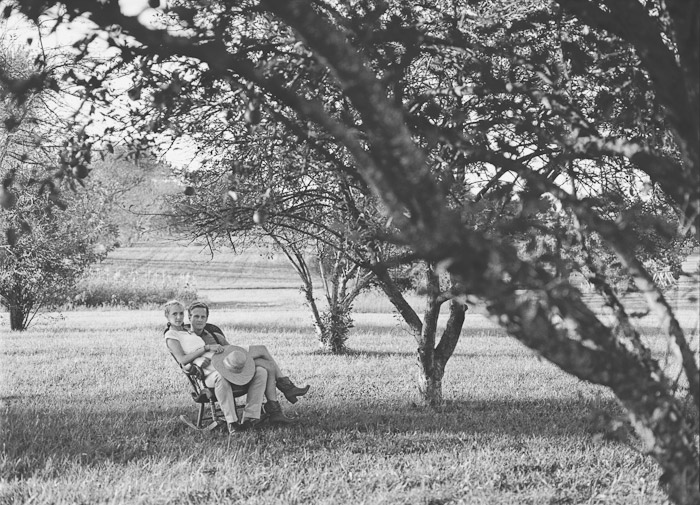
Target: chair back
[[213, 331]]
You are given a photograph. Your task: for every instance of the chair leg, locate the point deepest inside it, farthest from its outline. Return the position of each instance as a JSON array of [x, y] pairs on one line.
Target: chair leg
[[212, 407], [200, 417]]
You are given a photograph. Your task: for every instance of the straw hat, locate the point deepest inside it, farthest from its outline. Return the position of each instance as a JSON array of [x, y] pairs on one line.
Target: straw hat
[[235, 365]]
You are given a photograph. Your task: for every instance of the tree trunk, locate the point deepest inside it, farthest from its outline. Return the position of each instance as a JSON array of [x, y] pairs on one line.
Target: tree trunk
[[336, 326], [16, 318], [430, 384], [431, 370], [600, 358], [432, 362], [398, 301], [315, 314], [453, 329]]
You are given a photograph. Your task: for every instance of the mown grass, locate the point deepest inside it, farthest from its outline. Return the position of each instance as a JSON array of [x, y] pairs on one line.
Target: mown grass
[[224, 269], [90, 406]]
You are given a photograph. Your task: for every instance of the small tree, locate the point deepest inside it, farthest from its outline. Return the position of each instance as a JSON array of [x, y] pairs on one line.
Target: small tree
[[48, 240], [302, 216], [43, 255]]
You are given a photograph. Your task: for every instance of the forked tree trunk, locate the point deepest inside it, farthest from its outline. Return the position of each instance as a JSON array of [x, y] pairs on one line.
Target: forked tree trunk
[[393, 293], [432, 358]]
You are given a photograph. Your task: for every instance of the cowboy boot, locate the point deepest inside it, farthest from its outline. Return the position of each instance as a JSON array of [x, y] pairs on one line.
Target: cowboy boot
[[290, 390], [276, 415], [248, 424]]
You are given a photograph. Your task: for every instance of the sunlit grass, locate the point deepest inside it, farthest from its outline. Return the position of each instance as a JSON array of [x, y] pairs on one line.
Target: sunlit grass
[[91, 401]]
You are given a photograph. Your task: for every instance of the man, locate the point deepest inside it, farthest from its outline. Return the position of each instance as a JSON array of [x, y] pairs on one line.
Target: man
[[198, 313]]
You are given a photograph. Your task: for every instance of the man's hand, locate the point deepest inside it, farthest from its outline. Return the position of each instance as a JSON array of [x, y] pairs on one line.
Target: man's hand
[[216, 348]]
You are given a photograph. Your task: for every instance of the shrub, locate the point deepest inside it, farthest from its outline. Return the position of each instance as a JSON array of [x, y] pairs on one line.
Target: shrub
[[107, 288]]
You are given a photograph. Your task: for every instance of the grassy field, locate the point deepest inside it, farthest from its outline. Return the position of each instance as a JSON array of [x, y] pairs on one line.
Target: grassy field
[[90, 401], [256, 280], [90, 406], [225, 269]]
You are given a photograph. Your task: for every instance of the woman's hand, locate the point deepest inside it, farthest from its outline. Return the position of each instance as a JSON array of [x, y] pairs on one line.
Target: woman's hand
[[216, 348]]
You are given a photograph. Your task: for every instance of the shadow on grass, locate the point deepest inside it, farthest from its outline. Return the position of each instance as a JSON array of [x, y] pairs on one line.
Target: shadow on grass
[[31, 439], [357, 353], [526, 418]]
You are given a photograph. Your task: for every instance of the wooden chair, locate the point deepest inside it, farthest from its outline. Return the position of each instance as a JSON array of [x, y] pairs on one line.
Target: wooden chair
[[209, 414]]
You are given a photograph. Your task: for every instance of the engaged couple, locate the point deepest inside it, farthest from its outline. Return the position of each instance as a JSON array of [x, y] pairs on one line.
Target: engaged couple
[[229, 369]]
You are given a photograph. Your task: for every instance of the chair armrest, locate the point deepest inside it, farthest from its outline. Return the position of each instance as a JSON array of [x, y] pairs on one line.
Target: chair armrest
[[195, 371]]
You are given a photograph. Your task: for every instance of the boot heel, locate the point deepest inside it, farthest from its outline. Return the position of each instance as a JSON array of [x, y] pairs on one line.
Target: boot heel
[[290, 390]]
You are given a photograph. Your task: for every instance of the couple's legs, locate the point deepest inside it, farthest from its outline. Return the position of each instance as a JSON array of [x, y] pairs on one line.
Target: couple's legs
[[264, 383], [275, 378], [254, 396], [264, 359]]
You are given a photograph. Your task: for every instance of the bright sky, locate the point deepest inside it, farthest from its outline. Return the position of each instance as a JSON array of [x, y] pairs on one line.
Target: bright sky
[[18, 29], [133, 7]]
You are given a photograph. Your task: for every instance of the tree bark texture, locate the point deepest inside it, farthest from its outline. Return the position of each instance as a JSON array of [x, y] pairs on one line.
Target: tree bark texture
[[430, 370], [16, 318], [397, 299], [432, 358]]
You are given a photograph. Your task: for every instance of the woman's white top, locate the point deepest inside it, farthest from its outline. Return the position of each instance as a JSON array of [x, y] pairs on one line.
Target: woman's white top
[[190, 342]]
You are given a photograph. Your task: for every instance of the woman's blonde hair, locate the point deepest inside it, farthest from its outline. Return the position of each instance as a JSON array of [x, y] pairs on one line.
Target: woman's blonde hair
[[172, 303]]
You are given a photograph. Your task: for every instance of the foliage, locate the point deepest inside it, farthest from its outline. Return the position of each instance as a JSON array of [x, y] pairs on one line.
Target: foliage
[[336, 324], [47, 243], [553, 238], [41, 267], [130, 192]]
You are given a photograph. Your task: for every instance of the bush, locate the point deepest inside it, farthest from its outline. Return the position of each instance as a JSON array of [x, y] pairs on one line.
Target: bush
[[106, 288]]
